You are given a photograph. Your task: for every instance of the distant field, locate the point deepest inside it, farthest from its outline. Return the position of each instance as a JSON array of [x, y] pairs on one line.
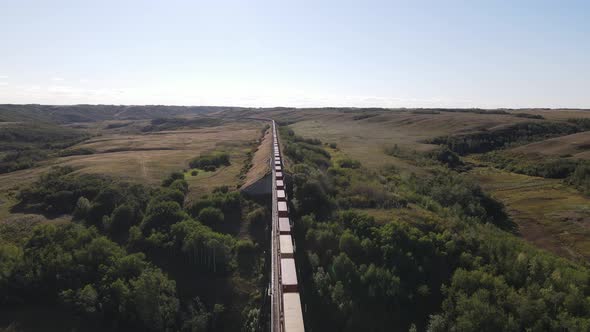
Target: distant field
[[151, 157], [366, 138], [148, 158], [557, 114], [549, 214], [574, 146]]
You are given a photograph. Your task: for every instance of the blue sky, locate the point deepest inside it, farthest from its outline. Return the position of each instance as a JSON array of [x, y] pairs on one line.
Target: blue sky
[[296, 53]]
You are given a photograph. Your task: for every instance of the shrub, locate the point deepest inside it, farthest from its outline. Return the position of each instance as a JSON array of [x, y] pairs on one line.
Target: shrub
[[349, 163], [171, 178], [210, 162]]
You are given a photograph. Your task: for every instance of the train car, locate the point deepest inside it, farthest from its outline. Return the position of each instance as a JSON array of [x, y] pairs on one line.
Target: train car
[[279, 175], [284, 226], [286, 244], [281, 195], [280, 184], [288, 275], [278, 168], [277, 163], [282, 208], [292, 312]]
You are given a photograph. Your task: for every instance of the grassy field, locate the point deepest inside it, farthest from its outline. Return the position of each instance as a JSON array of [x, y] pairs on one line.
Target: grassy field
[[549, 214], [149, 158], [366, 138], [556, 114], [571, 146]]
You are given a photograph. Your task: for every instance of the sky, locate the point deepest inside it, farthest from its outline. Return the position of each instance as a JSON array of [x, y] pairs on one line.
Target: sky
[[300, 53]]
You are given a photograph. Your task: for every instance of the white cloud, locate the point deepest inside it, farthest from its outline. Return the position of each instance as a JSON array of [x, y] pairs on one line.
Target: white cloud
[[3, 83], [3, 77], [57, 79]]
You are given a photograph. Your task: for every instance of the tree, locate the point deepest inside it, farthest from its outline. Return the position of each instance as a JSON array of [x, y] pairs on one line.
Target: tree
[[161, 215], [82, 208], [197, 318], [10, 258], [123, 217], [171, 178], [168, 194], [154, 299], [313, 199], [180, 185], [351, 245], [246, 255], [210, 216], [104, 204]]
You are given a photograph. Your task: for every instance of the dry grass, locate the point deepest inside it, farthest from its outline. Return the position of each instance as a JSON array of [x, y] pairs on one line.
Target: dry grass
[[575, 145], [549, 214], [260, 162], [366, 139], [148, 158], [557, 114]]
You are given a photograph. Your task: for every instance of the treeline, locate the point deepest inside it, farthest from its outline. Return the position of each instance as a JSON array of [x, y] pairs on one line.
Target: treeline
[[574, 171], [516, 134], [135, 258], [446, 262], [23, 145], [161, 124]]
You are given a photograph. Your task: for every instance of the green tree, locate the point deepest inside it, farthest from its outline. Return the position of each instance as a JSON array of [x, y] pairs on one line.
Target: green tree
[[161, 215], [210, 216], [154, 300], [246, 256]]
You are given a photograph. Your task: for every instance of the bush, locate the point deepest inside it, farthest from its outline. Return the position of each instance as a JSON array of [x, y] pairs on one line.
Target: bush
[[171, 178], [210, 162], [349, 163]]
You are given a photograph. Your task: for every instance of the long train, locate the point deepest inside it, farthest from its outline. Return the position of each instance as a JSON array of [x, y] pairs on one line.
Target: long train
[[291, 313]]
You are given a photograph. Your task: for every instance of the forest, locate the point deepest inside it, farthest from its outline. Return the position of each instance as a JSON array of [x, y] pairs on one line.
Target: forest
[[448, 262], [136, 258]]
